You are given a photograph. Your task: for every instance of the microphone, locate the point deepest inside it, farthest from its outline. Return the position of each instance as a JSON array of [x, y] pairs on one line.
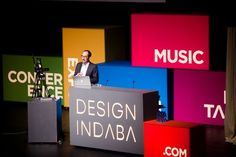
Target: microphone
[[106, 82], [133, 83]]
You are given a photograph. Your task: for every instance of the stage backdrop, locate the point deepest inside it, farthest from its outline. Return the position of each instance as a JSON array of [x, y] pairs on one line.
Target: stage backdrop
[[170, 41], [122, 74], [75, 40], [19, 77], [199, 96]]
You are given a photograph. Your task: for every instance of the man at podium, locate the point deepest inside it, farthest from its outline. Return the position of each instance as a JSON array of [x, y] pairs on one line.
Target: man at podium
[[87, 68]]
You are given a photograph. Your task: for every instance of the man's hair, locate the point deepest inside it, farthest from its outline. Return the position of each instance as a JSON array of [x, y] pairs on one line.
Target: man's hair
[[89, 53]]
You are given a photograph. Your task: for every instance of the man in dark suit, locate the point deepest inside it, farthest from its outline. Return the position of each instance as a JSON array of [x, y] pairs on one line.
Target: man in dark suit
[[87, 68]]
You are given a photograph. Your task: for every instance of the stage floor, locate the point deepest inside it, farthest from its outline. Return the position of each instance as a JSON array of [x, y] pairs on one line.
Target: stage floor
[[14, 138]]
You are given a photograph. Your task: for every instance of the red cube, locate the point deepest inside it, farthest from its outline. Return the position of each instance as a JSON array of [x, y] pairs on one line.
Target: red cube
[[173, 139]]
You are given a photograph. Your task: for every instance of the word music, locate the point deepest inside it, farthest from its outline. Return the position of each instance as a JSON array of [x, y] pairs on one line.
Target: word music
[[178, 56]]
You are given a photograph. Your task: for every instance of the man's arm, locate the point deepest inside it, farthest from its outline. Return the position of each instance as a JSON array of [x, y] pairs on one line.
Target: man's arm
[[94, 76], [76, 69]]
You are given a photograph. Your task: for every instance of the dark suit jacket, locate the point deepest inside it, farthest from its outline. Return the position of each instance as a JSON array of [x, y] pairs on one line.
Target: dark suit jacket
[[92, 71]]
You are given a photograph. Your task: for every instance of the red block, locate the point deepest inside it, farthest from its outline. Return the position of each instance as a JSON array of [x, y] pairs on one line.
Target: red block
[[173, 139]]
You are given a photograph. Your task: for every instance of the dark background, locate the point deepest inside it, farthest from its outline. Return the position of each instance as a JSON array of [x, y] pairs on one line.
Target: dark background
[[35, 27]]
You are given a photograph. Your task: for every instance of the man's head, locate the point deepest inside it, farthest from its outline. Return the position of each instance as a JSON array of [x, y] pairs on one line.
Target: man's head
[[86, 56]]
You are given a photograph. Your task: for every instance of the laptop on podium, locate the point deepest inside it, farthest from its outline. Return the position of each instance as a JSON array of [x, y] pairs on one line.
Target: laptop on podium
[[82, 81]]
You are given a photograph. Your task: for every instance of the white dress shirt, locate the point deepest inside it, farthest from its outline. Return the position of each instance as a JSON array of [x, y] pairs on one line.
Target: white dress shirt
[[83, 69]]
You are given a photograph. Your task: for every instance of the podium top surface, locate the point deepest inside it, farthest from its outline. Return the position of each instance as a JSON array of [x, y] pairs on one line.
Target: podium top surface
[[117, 89], [43, 99]]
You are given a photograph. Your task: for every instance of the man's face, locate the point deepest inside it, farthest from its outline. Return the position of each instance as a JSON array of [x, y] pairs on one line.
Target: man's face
[[85, 57]]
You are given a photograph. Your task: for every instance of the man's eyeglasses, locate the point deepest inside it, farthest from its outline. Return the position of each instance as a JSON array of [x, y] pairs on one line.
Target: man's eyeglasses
[[84, 56]]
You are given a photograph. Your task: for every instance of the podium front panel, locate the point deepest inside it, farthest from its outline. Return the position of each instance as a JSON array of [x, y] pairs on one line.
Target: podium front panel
[[110, 118]]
